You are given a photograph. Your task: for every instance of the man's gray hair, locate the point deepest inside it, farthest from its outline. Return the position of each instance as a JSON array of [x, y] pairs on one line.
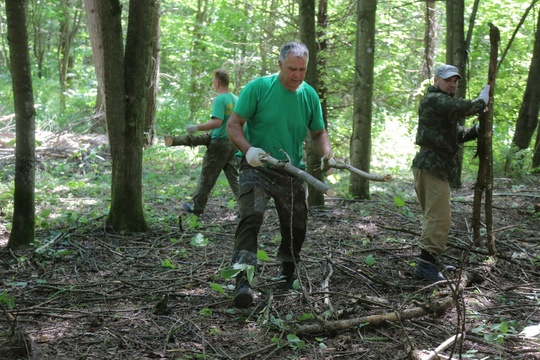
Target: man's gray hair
[[295, 49]]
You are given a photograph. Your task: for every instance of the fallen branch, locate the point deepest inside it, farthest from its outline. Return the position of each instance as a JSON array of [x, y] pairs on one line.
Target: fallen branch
[[291, 169], [188, 140], [432, 355], [435, 307]]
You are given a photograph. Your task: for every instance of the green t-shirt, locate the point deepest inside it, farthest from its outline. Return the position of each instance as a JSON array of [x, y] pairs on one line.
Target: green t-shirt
[[279, 119], [222, 108]]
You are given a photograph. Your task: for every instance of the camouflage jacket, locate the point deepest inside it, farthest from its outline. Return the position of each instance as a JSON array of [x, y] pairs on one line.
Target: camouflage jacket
[[439, 133]]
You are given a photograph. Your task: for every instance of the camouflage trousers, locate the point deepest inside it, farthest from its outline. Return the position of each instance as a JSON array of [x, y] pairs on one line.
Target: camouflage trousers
[[257, 186], [434, 197], [219, 156]]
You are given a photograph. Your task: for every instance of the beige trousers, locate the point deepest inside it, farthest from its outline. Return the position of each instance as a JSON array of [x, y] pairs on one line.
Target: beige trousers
[[434, 197]]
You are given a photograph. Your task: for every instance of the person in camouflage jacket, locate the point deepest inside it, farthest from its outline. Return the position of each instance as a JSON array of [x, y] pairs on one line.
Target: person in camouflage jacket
[[439, 135]]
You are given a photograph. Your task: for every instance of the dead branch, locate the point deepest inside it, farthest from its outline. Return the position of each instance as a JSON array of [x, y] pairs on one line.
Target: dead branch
[[188, 140], [431, 355], [435, 307]]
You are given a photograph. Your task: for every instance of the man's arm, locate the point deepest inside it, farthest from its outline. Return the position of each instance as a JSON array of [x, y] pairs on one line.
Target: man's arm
[[322, 143], [235, 130]]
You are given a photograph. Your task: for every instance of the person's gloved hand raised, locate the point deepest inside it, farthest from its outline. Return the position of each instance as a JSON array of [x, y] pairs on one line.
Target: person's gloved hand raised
[[484, 94], [252, 156], [191, 129]]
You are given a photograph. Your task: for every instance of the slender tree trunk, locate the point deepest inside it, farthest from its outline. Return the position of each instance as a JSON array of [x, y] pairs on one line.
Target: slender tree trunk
[[69, 26], [484, 181], [363, 96], [38, 34], [195, 100], [151, 96], [308, 37], [429, 40], [23, 226], [456, 55]]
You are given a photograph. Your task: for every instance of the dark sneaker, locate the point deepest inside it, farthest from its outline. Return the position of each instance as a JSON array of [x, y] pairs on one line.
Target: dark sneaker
[[188, 208], [243, 296], [427, 271], [288, 273]]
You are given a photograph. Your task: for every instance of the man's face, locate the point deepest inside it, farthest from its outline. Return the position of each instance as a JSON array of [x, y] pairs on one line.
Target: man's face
[[293, 72], [449, 85]]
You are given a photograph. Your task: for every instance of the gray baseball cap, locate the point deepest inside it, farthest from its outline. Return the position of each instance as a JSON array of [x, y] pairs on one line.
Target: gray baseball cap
[[446, 71]]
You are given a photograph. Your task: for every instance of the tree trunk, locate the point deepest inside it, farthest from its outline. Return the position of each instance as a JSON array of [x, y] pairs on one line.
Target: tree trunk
[[23, 227], [151, 96], [456, 55], [198, 47], [38, 33], [308, 37], [69, 25], [527, 120], [124, 82], [363, 95], [429, 40]]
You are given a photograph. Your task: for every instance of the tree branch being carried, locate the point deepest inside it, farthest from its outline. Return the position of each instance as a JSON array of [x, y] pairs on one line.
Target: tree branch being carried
[[291, 169], [328, 163], [188, 140]]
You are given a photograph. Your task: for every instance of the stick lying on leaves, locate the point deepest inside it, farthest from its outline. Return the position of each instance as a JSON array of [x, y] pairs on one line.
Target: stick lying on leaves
[[330, 163], [187, 140], [291, 169]]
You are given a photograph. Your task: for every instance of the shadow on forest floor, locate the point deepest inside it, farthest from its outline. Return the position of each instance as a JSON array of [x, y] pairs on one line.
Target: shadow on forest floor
[[91, 294]]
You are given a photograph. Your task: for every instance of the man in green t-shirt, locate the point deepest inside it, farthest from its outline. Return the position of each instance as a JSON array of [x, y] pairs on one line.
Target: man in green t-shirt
[[278, 111], [220, 153]]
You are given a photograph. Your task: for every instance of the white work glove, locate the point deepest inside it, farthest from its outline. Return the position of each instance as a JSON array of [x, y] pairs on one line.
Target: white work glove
[[252, 156], [484, 94], [326, 162], [191, 129]]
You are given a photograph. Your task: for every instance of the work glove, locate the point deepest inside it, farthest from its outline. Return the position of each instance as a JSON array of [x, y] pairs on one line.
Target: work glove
[[484, 94], [252, 156], [191, 129], [326, 162]]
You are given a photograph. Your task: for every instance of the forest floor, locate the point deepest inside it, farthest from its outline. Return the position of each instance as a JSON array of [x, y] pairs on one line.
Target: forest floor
[[87, 293]]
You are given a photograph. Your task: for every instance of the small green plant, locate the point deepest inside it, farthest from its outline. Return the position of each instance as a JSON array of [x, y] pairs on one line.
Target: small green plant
[[495, 332], [7, 300], [295, 342], [206, 312], [168, 264], [199, 240]]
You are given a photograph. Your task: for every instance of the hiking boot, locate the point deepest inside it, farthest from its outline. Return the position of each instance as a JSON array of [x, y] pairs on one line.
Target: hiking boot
[[243, 296], [189, 208], [427, 271], [288, 273]]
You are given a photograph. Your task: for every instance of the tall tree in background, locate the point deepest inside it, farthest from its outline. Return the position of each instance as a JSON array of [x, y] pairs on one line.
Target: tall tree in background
[[309, 37], [23, 226], [197, 48], [69, 26], [363, 96], [124, 80], [527, 120]]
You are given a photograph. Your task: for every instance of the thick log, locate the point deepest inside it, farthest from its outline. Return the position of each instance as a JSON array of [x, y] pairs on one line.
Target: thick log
[[187, 140], [291, 169]]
